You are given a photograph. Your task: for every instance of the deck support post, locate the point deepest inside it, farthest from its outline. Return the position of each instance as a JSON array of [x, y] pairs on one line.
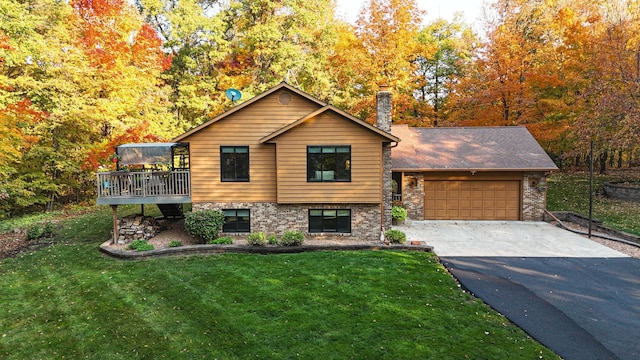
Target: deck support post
[[114, 240]]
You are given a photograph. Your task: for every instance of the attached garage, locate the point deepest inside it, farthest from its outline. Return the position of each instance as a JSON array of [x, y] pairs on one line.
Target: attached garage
[[496, 173], [472, 199]]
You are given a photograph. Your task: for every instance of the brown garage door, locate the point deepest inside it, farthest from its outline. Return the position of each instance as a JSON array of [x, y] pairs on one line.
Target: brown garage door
[[472, 200]]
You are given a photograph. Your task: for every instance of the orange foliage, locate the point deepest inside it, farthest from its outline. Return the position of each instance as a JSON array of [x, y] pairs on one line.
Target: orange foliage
[[5, 44], [146, 49], [106, 27], [101, 154], [13, 119]]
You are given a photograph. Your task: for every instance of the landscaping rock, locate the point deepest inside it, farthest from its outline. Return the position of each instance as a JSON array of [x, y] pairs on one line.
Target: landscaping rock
[[136, 227]]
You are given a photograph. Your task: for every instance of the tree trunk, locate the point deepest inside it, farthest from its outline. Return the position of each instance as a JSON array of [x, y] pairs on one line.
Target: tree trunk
[[612, 157], [620, 153], [49, 205], [603, 163]]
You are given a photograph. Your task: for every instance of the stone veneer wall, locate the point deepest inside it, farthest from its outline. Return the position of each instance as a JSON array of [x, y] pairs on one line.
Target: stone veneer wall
[[384, 108], [387, 188], [534, 197], [413, 195], [272, 218]]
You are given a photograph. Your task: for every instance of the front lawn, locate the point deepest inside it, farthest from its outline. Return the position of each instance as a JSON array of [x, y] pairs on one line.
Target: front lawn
[[68, 301]]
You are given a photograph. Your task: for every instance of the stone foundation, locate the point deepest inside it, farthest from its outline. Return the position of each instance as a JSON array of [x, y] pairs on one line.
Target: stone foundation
[[272, 218], [136, 227]]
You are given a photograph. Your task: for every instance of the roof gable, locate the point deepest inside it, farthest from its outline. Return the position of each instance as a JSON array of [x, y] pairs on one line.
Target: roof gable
[[322, 107], [322, 110], [282, 85], [468, 148]]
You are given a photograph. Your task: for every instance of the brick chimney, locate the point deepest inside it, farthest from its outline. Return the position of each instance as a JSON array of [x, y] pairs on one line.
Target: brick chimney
[[383, 109], [383, 122]]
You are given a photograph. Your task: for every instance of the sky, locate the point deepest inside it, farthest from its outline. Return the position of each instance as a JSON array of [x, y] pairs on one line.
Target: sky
[[471, 9]]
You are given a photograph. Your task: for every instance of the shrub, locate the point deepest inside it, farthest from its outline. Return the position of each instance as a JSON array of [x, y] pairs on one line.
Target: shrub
[[292, 238], [399, 213], [395, 236], [47, 229], [272, 240], [145, 247], [204, 225], [135, 244], [224, 240], [175, 243], [34, 232], [257, 239]]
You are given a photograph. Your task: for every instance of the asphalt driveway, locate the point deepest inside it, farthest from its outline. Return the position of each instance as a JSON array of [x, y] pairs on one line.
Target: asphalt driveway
[[579, 298]]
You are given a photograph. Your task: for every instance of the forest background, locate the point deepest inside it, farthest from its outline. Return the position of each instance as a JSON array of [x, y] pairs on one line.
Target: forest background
[[79, 77]]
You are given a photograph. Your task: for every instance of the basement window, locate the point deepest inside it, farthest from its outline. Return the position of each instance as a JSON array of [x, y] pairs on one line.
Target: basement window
[[237, 221], [329, 220]]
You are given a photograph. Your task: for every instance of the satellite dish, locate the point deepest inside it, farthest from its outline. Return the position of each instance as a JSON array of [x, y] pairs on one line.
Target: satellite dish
[[233, 94]]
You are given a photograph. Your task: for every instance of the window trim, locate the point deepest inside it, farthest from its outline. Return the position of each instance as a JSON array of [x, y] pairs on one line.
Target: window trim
[[235, 148], [323, 219], [335, 170], [236, 216]]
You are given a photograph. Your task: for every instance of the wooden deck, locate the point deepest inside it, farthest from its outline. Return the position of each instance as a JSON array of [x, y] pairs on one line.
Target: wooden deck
[[160, 187]]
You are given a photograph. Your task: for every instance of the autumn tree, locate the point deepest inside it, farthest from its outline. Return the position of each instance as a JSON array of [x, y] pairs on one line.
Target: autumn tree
[[89, 70], [611, 100], [387, 45], [272, 41], [24, 29], [518, 76], [451, 45], [195, 35]]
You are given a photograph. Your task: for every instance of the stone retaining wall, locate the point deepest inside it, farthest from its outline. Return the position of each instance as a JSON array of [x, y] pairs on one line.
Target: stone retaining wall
[[622, 191]]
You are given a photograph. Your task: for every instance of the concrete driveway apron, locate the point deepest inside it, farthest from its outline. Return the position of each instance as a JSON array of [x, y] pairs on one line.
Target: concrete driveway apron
[[577, 297]]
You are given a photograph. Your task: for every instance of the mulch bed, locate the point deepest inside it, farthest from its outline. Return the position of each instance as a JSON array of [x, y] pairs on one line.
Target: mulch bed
[[13, 243]]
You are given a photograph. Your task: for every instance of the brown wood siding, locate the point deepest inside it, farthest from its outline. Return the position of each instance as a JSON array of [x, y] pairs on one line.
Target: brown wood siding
[[329, 129], [243, 128], [483, 196]]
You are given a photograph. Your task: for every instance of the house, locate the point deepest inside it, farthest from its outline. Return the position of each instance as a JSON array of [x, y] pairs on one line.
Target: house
[[285, 160], [472, 173]]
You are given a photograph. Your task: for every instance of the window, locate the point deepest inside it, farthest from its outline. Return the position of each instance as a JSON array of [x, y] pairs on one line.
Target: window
[[234, 163], [236, 221], [329, 221], [328, 163]]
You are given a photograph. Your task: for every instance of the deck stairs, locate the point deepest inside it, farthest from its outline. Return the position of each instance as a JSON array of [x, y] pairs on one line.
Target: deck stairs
[[171, 211]]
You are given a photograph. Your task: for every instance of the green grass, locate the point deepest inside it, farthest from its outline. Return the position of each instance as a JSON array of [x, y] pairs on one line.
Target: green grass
[[68, 301], [570, 192]]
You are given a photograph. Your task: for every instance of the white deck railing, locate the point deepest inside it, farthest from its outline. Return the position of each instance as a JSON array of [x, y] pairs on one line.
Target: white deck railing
[[122, 184]]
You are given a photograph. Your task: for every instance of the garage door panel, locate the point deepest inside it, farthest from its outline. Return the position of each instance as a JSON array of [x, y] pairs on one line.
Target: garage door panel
[[472, 199]]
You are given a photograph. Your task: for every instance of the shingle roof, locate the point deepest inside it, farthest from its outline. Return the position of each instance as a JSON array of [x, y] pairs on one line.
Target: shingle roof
[[509, 148]]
